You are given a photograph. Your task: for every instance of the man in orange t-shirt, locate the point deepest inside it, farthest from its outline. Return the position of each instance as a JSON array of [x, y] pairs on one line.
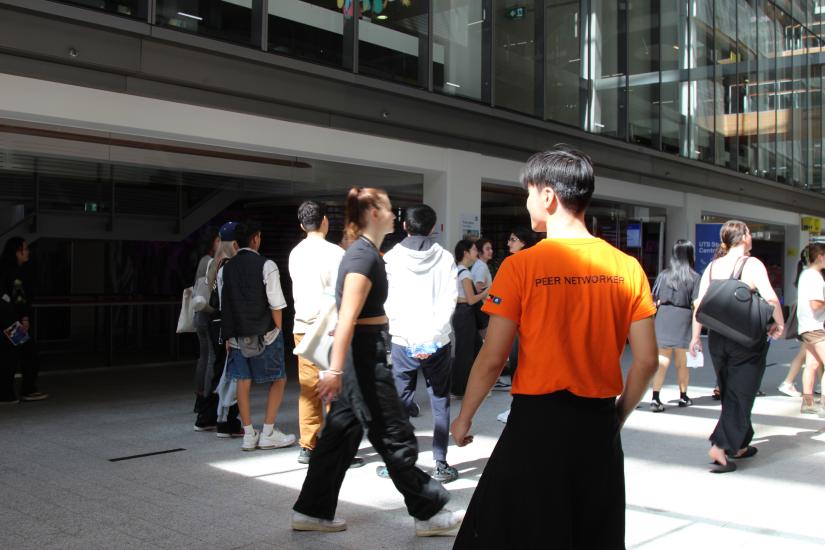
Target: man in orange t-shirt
[[556, 476]]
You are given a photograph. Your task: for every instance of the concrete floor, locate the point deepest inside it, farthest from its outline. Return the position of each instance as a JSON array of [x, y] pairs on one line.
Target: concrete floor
[[60, 490]]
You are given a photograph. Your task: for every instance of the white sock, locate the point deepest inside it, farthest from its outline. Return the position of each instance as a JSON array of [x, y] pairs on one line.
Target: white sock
[[268, 428], [249, 429]]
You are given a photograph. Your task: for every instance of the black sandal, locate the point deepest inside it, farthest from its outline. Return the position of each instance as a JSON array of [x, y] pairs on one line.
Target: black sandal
[[720, 468], [749, 452]]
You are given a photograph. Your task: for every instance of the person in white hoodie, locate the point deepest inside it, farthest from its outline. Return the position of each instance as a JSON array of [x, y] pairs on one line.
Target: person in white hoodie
[[420, 302]]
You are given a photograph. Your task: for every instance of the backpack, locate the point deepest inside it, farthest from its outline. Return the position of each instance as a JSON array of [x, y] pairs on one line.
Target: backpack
[[734, 310]]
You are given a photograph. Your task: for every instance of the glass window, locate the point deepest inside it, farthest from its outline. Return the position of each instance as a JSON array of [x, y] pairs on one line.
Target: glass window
[[457, 47], [785, 43], [643, 67], [800, 176], [725, 84], [675, 88], [766, 91], [392, 40], [515, 55], [748, 83], [607, 60], [815, 88], [702, 90], [565, 85], [229, 20], [130, 8], [309, 29]]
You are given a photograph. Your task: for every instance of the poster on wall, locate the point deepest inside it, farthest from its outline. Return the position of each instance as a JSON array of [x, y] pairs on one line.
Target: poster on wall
[[707, 241], [634, 235], [470, 226]]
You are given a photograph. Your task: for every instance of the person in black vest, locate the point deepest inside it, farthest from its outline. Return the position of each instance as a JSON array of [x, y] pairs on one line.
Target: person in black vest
[[251, 304], [17, 290]]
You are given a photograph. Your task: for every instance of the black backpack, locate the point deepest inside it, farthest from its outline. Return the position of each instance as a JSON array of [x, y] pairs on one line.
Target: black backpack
[[734, 310]]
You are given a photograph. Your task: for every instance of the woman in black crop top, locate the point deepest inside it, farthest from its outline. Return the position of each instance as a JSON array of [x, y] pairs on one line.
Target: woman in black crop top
[[362, 389]]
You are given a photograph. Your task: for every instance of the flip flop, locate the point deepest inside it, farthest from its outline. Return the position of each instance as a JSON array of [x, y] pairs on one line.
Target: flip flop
[[722, 468], [749, 452]]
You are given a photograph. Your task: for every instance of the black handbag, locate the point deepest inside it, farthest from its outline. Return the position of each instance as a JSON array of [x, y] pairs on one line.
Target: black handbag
[[734, 310]]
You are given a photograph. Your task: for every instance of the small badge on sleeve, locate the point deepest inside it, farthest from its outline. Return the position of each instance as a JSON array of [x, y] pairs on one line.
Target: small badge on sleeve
[[495, 299]]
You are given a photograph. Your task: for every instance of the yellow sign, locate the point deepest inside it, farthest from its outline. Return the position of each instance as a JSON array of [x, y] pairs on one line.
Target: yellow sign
[[792, 252], [812, 224]]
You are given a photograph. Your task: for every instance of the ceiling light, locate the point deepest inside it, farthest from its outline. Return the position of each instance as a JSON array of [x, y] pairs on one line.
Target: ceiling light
[[190, 16], [382, 17], [452, 84]]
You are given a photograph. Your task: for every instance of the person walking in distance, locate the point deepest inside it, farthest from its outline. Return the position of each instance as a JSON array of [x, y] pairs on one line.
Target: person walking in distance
[[362, 388], [313, 267], [17, 288], [674, 291], [251, 304], [739, 368], [574, 300], [810, 313], [420, 302], [480, 271]]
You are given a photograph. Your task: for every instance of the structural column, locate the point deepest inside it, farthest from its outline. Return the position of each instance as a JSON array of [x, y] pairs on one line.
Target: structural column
[[455, 194]]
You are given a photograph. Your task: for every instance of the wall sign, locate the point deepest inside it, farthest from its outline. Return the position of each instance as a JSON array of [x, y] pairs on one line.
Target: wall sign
[[707, 241]]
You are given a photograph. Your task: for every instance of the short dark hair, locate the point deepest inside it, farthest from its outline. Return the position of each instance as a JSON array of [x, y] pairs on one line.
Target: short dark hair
[[311, 215], [524, 235], [245, 231], [12, 247], [420, 219], [568, 172], [462, 247]]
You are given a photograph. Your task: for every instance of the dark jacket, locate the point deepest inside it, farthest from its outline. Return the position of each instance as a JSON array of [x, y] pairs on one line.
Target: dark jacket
[[245, 308]]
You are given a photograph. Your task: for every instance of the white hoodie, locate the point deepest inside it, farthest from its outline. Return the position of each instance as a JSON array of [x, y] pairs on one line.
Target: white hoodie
[[422, 292]]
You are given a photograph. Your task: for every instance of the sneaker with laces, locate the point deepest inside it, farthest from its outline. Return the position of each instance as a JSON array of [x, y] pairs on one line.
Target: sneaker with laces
[[685, 402], [303, 455], [657, 407], [440, 524], [250, 440], [303, 522], [789, 389], [275, 440], [444, 473], [501, 385]]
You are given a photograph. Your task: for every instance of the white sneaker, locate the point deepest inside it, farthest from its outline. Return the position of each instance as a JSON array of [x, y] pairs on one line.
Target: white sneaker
[[275, 440], [789, 389], [504, 416], [250, 441], [440, 524], [303, 522]]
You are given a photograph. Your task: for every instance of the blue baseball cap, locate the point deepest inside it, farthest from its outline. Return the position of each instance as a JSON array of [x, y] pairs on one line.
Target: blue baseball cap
[[227, 231]]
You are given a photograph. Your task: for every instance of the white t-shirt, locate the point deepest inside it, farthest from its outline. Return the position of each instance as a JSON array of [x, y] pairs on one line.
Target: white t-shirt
[[313, 266], [463, 273], [481, 273], [811, 287]]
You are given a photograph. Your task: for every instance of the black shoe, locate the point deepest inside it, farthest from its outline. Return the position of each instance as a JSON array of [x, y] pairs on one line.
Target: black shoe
[[9, 401], [686, 402], [657, 407], [230, 428], [34, 396], [205, 425], [303, 455], [414, 410], [357, 462]]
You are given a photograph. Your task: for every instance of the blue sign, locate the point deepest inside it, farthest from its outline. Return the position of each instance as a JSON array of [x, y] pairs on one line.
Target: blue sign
[[707, 241], [634, 235]]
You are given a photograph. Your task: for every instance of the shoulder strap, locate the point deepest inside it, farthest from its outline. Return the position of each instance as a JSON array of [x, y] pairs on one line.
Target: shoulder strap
[[738, 268]]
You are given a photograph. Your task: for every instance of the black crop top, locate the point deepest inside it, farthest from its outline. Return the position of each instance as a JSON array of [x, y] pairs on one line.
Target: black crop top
[[362, 257]]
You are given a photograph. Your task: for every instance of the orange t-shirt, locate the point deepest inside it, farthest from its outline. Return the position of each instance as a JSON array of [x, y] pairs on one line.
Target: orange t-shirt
[[573, 301]]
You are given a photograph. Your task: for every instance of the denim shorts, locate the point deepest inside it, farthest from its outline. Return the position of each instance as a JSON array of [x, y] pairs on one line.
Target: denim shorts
[[266, 367]]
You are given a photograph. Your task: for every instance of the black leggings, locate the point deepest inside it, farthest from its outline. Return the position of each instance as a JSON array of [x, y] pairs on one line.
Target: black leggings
[[467, 346], [368, 401], [739, 372]]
